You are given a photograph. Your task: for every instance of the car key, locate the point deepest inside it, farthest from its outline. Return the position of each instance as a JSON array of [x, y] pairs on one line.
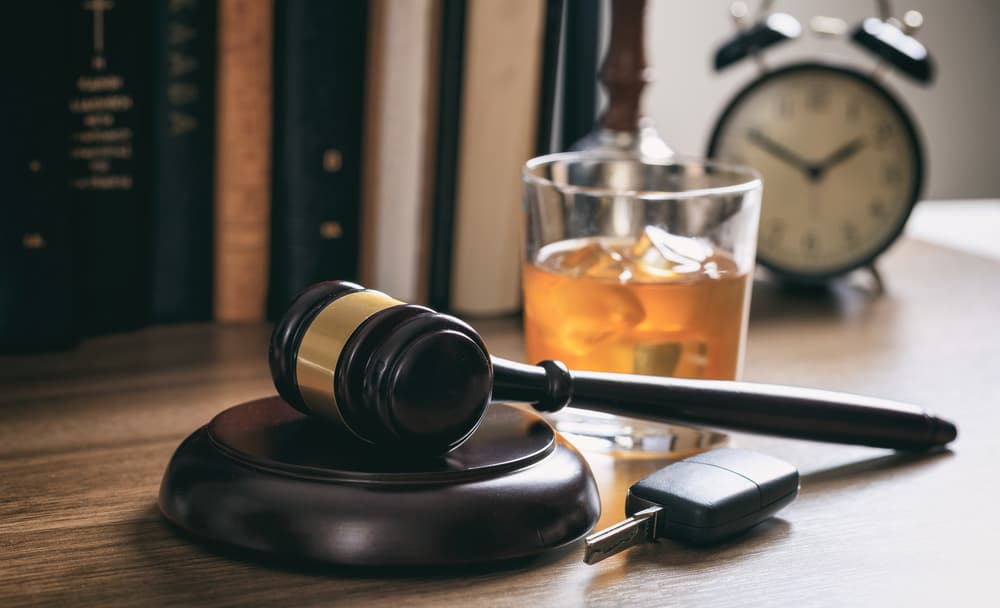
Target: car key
[[700, 500]]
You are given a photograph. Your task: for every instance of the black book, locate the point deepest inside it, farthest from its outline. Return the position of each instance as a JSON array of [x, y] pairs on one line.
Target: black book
[[446, 151], [110, 161], [184, 43], [36, 249], [319, 88], [579, 87], [551, 45]]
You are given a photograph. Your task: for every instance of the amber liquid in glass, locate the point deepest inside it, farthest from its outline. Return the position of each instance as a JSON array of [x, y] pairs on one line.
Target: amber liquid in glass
[[659, 305]]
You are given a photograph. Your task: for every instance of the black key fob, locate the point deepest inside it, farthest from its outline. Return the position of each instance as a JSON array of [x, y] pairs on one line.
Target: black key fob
[[714, 495]]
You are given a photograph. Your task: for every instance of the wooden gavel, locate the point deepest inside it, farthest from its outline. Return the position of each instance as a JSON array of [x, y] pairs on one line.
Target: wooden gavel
[[405, 376]]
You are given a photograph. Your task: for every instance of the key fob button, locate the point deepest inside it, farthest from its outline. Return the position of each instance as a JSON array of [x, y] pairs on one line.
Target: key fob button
[[696, 494], [775, 478]]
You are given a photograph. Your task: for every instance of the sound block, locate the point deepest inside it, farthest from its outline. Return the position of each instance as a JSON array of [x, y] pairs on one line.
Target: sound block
[[262, 476]]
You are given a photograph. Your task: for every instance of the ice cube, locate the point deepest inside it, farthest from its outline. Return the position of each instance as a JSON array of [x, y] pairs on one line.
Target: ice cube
[[684, 358], [719, 265], [595, 260], [659, 254]]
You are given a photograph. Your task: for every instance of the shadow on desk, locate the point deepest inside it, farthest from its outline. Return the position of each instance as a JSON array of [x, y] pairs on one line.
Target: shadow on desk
[[152, 531], [770, 534], [837, 300], [865, 471]]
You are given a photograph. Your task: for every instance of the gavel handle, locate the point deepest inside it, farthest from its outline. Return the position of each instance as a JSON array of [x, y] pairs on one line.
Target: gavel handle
[[768, 409]]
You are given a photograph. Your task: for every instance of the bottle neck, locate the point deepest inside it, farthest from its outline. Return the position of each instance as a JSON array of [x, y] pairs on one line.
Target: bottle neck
[[645, 141]]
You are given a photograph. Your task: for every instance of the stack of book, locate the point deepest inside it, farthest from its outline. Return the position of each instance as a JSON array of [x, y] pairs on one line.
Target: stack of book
[[204, 160]]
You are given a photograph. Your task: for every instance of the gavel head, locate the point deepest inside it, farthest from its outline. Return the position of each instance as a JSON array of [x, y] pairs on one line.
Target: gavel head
[[389, 372]]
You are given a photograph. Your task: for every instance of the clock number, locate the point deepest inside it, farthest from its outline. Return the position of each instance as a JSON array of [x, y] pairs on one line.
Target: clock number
[[786, 106], [882, 134], [853, 109], [775, 230], [877, 208], [892, 174], [850, 234], [810, 244], [818, 98]]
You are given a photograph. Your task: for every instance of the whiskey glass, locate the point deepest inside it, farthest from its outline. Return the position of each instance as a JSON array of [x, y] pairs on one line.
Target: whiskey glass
[[638, 265]]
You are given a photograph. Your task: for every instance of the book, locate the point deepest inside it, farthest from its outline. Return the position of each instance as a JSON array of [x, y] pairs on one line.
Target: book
[[399, 156], [450, 69], [319, 106], [579, 82], [109, 161], [184, 37], [498, 126], [549, 86], [36, 235], [242, 160]]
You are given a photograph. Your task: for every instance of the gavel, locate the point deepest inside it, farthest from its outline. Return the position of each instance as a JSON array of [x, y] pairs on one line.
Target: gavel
[[407, 377]]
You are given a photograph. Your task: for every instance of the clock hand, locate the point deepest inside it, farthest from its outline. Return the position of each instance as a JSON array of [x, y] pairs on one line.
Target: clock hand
[[781, 152], [840, 155]]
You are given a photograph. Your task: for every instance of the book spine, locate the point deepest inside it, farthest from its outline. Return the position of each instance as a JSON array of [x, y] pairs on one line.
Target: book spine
[[242, 160], [399, 144], [551, 45], [36, 239], [184, 116], [499, 114], [110, 160], [319, 99], [446, 151], [579, 90]]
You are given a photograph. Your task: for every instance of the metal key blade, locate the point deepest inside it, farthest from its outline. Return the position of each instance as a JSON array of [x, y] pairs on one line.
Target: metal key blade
[[636, 530]]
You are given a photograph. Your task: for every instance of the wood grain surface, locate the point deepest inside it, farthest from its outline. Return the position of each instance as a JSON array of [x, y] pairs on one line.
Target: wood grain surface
[[85, 437]]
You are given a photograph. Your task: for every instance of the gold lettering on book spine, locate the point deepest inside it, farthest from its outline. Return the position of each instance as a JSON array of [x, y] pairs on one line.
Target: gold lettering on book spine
[[101, 145]]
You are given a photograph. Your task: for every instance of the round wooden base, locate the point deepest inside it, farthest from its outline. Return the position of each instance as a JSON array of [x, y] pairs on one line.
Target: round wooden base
[[262, 476]]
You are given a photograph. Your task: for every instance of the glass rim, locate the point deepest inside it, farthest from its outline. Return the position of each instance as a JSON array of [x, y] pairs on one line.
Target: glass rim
[[752, 179]]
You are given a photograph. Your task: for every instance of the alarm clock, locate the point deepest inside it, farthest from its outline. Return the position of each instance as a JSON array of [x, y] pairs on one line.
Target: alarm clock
[[840, 155]]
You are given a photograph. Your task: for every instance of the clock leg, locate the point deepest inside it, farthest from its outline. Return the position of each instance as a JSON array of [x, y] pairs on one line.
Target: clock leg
[[874, 285], [877, 278]]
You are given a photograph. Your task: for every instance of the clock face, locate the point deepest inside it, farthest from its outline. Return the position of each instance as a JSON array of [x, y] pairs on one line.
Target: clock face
[[841, 165]]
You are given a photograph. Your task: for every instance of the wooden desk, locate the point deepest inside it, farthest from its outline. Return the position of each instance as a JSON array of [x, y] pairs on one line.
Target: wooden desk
[[85, 436]]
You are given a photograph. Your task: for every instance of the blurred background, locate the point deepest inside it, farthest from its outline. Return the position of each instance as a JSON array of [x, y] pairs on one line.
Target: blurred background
[[176, 162], [957, 113]]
